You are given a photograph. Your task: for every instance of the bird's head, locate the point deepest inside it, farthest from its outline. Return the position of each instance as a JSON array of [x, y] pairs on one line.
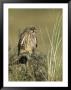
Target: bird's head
[[33, 28]]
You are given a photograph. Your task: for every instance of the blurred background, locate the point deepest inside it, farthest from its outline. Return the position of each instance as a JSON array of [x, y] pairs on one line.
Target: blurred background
[[49, 38]]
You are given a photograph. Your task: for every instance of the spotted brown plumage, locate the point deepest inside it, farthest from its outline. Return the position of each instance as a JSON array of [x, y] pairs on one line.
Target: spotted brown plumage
[[27, 41]]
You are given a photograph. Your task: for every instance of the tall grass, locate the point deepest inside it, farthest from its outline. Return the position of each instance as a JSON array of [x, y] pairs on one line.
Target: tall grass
[[54, 56]]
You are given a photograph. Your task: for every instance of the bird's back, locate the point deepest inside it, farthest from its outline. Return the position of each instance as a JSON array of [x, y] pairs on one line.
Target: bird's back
[[27, 42]]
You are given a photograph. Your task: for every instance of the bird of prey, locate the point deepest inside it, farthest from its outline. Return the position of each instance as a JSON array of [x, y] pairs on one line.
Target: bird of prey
[[27, 41]]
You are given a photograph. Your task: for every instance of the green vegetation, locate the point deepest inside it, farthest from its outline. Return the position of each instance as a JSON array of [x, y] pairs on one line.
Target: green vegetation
[[46, 63], [55, 52]]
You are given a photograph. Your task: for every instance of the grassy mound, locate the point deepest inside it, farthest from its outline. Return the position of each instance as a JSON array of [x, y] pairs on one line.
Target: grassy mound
[[35, 68]]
